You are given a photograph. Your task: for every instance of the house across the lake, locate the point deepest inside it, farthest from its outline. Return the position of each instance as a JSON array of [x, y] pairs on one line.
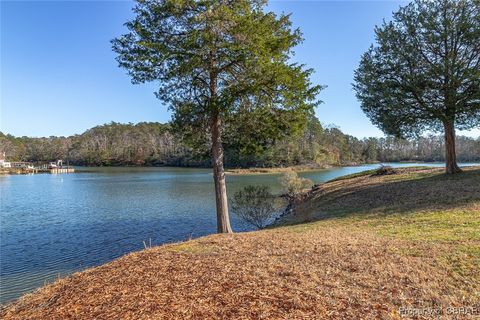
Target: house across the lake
[[3, 162]]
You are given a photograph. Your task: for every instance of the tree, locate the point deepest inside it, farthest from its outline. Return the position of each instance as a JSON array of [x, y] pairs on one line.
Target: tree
[[215, 60], [255, 205], [424, 72], [370, 151]]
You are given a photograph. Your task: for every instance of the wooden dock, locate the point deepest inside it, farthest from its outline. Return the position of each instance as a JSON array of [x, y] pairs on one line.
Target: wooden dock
[[62, 170], [36, 170], [57, 170]]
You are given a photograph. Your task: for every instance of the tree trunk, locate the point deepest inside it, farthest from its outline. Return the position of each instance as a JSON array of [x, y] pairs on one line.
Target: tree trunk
[[450, 155], [223, 219]]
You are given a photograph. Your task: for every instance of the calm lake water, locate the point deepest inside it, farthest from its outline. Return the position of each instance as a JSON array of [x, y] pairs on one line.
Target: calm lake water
[[52, 225]]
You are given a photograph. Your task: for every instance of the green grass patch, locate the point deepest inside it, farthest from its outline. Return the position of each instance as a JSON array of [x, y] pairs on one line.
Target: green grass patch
[[464, 259], [354, 175], [447, 225], [411, 175], [192, 247]]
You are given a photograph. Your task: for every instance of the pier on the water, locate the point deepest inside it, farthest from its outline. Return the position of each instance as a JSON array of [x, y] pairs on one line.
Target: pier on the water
[[55, 167], [27, 167], [57, 170]]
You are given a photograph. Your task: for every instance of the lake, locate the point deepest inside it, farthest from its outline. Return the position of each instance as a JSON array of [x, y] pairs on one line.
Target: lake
[[53, 225]]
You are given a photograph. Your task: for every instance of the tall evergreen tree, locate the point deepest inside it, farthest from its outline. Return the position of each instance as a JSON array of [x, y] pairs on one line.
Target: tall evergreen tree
[[216, 61], [424, 71]]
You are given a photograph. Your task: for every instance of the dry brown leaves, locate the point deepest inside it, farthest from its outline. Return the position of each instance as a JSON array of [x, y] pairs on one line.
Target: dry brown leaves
[[275, 274]]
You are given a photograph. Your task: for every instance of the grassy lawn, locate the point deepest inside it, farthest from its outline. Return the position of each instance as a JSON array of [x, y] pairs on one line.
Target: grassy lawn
[[438, 216]]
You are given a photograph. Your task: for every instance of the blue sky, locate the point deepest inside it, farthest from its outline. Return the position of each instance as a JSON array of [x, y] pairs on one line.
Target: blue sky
[[59, 75]]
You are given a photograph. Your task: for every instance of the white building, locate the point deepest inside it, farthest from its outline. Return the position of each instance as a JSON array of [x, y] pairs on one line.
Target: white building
[[3, 163]]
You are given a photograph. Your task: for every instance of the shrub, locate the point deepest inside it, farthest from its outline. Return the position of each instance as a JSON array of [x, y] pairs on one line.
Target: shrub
[[293, 185], [384, 170], [255, 205]]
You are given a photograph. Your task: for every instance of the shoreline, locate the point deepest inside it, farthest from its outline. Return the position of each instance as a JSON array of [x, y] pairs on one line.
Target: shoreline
[[238, 171], [273, 170]]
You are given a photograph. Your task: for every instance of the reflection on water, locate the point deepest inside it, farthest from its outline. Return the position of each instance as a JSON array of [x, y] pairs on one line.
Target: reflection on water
[[52, 225]]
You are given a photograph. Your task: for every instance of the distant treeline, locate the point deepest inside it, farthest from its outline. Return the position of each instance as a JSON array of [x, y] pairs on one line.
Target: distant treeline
[[155, 144]]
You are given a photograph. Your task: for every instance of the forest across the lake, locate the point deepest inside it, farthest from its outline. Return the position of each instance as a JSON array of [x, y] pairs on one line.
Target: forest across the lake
[[157, 144]]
